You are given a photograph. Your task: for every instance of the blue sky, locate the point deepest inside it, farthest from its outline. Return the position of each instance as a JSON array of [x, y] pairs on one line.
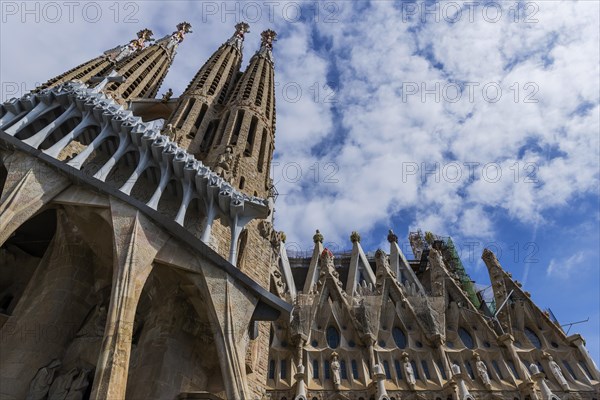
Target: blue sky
[[479, 122]]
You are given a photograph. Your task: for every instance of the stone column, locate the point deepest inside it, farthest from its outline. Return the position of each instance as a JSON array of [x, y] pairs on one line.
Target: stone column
[[136, 242], [507, 341], [229, 308], [578, 342], [538, 377]]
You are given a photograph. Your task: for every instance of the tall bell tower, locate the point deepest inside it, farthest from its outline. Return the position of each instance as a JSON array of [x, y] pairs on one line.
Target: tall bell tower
[[246, 133], [226, 118], [196, 116]]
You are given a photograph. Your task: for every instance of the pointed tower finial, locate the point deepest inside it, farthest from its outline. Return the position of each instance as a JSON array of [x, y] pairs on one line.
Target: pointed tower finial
[[182, 28], [318, 237], [119, 53], [237, 39], [392, 237], [266, 44]]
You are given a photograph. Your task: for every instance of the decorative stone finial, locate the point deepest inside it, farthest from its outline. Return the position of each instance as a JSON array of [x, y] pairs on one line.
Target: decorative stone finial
[[267, 38], [326, 253], [318, 238], [392, 237], [145, 34], [282, 236], [238, 37], [182, 29], [241, 28], [355, 237], [266, 44]]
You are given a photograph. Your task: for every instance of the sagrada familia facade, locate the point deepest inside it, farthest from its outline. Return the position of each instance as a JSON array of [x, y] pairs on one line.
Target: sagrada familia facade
[[139, 260]]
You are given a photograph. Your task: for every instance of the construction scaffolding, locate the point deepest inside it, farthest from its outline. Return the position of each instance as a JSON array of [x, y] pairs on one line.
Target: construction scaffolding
[[421, 245]]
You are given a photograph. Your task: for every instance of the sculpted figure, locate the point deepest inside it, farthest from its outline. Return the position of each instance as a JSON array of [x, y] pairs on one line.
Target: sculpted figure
[[167, 96], [79, 386], [482, 371], [557, 372], [40, 384], [223, 167], [335, 369], [408, 371], [61, 385]]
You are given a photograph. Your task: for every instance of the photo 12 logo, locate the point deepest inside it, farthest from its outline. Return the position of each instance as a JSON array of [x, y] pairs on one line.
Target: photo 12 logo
[[54, 12], [469, 171], [472, 92], [253, 12], [470, 11]]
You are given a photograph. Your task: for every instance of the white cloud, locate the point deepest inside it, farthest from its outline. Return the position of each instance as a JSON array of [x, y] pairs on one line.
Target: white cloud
[[563, 268]]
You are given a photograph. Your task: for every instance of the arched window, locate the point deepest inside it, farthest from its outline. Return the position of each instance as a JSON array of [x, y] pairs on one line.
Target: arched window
[[497, 368], [415, 370], [283, 369], [399, 337], [386, 369], [533, 338], [343, 370], [315, 369], [242, 242], [512, 367], [250, 139], [354, 369], [326, 369], [469, 369], [272, 369], [568, 367], [398, 369], [466, 338], [441, 368], [425, 369], [333, 337]]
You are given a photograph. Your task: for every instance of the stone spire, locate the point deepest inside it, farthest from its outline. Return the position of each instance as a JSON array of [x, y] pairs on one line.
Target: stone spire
[[248, 123], [141, 74], [102, 65], [195, 118]]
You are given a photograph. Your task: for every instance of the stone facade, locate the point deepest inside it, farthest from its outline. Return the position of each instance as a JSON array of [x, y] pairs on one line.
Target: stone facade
[[382, 327], [138, 260]]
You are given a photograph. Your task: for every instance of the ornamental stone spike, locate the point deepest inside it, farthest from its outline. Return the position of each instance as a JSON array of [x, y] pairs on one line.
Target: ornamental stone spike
[[300, 383], [392, 237], [379, 377], [318, 237], [463, 392]]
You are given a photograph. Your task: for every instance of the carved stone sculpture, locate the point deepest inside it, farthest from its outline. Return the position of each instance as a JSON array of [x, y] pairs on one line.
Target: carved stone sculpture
[[408, 371], [482, 371], [61, 385], [167, 96], [224, 164], [79, 386], [557, 372], [335, 370], [40, 384]]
